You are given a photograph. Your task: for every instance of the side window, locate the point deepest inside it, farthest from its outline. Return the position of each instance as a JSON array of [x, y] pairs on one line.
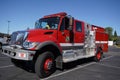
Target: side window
[[78, 26], [64, 24]]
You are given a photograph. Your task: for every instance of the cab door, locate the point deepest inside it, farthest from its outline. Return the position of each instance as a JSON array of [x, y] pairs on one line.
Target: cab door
[[79, 32], [64, 32]]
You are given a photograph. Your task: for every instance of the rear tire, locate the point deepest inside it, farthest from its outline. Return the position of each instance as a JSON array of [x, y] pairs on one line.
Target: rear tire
[[98, 56], [45, 64]]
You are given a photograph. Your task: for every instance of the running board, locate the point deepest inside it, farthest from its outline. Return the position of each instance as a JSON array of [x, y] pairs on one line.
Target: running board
[[72, 55]]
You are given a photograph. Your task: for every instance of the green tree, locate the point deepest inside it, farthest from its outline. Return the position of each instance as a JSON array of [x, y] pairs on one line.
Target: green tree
[[109, 30], [115, 36]]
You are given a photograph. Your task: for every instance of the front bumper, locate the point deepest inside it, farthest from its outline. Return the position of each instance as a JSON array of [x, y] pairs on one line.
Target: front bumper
[[18, 53]]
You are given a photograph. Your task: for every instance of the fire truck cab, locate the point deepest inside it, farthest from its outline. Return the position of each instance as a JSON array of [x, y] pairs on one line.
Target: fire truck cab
[[56, 39]]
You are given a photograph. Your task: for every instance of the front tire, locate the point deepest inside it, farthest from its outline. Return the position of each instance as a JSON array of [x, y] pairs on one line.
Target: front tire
[[45, 64]]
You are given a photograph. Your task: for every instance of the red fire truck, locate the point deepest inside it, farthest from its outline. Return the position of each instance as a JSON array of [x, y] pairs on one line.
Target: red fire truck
[[56, 39]]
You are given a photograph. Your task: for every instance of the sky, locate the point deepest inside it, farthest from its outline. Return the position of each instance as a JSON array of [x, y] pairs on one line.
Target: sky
[[23, 13]]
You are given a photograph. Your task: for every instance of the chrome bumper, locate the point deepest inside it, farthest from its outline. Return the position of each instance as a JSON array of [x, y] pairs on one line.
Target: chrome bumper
[[18, 53]]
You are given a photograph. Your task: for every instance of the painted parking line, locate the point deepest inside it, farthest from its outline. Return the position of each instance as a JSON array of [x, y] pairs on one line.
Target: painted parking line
[[74, 69], [107, 58], [6, 66], [68, 71]]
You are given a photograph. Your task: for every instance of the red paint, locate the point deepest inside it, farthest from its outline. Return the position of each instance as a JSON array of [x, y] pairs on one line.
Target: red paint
[[64, 36], [48, 64], [98, 55]]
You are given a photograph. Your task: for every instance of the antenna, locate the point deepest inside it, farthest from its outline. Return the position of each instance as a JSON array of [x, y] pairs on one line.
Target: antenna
[[8, 27]]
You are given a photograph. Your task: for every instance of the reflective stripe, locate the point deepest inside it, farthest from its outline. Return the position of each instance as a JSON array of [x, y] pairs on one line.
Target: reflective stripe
[[79, 44], [71, 44], [101, 41]]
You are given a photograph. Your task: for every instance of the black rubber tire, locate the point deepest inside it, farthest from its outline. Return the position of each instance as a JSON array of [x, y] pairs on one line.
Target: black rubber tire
[[39, 65], [99, 55]]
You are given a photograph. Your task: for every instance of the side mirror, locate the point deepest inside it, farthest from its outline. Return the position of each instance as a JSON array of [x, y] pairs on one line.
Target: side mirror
[[71, 23]]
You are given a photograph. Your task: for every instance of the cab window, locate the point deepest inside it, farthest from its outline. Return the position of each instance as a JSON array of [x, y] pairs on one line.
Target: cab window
[[78, 26], [64, 24]]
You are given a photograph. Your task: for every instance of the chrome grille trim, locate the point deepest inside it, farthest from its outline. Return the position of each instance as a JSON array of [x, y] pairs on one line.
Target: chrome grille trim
[[18, 38]]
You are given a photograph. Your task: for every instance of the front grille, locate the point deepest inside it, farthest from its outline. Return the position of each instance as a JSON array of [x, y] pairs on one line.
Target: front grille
[[18, 38]]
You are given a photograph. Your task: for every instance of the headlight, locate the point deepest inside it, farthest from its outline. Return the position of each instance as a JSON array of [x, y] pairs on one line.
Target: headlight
[[30, 45]]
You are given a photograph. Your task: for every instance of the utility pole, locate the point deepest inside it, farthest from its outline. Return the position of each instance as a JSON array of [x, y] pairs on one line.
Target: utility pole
[[8, 27]]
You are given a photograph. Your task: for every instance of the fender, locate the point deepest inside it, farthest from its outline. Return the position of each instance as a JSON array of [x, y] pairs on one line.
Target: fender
[[58, 55], [46, 43]]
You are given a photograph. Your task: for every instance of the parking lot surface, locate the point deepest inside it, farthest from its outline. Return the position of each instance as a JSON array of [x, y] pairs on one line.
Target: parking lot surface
[[86, 69]]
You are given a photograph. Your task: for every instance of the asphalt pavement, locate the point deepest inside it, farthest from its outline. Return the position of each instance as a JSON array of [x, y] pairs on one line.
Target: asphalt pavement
[[86, 69]]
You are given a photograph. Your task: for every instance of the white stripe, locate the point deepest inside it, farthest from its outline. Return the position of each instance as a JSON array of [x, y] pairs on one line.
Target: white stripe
[[101, 41], [80, 44], [6, 66], [69, 71], [71, 44], [107, 58]]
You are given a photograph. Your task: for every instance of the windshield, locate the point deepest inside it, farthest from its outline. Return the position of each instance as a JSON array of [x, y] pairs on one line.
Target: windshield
[[47, 23]]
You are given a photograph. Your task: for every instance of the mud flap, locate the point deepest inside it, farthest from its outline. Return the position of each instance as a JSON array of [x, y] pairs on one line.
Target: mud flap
[[59, 62]]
